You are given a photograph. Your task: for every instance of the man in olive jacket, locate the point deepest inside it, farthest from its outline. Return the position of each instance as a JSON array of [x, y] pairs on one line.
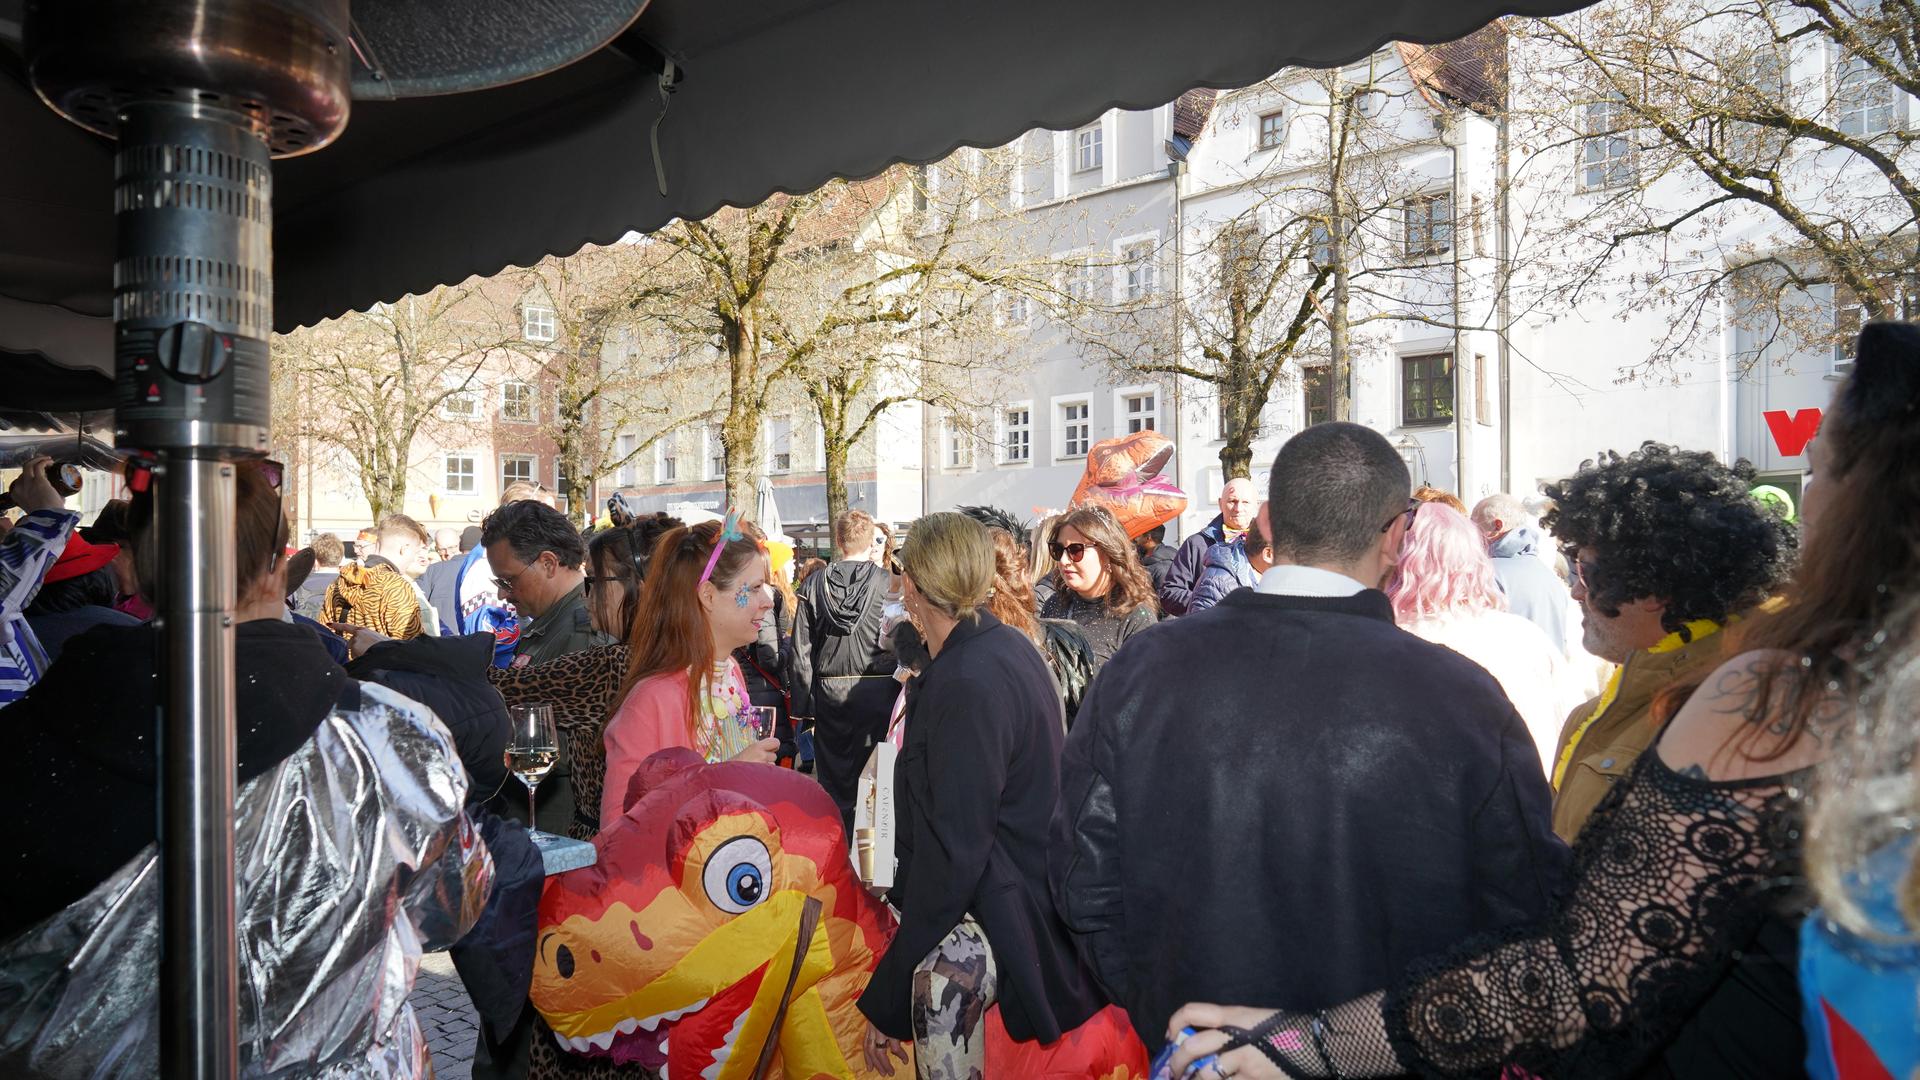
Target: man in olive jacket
[[1319, 798]]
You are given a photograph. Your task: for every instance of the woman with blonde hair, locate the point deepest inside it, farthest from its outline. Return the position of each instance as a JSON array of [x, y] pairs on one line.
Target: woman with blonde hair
[[1103, 586], [976, 786]]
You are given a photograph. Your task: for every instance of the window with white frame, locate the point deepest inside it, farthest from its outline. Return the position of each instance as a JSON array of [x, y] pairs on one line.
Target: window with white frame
[[956, 444], [1014, 310], [1076, 428], [666, 461], [1320, 241], [1140, 410], [537, 323], [627, 447], [1316, 395], [1864, 101], [1426, 389], [1239, 250], [1429, 224], [1606, 155], [1088, 149], [1140, 274], [461, 402], [518, 403], [780, 443], [716, 453], [516, 469], [1016, 435], [1900, 297], [459, 474], [1079, 281], [1273, 130]]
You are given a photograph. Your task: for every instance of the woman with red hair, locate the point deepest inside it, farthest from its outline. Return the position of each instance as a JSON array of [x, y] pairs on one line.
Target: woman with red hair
[[706, 594]]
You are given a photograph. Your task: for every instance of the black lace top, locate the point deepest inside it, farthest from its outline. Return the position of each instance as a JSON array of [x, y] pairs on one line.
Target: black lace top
[[1672, 878]]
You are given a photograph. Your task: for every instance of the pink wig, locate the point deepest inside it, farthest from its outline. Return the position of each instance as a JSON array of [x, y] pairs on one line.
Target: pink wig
[[1444, 569]]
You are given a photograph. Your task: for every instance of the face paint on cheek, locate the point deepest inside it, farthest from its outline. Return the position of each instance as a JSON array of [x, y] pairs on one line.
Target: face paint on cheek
[[744, 595]]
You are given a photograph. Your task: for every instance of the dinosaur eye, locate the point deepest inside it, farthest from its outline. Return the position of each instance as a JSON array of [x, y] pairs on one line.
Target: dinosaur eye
[[738, 875]]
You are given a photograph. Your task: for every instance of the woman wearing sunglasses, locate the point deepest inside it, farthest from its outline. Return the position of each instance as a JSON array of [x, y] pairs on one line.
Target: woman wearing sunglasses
[[1104, 588]]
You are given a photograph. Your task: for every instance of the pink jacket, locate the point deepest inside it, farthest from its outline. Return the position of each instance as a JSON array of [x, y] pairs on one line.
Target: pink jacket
[[652, 718]]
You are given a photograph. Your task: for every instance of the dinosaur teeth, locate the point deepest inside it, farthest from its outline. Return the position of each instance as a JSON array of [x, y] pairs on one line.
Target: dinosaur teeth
[[725, 1049], [625, 1027]]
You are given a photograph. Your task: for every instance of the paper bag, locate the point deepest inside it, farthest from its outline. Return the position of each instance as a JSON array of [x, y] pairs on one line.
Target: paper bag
[[874, 819]]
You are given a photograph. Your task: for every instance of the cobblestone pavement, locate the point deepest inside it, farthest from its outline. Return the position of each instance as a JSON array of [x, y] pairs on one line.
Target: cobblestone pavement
[[446, 1016]]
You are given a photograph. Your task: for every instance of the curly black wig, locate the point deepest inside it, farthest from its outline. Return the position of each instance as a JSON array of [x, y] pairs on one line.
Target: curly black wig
[[1675, 524]]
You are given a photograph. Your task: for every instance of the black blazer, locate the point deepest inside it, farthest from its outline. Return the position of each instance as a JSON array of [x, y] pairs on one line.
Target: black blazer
[[978, 784], [1283, 800]]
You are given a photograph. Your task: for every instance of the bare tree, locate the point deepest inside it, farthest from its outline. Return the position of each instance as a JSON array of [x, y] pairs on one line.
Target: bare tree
[[608, 374], [370, 383], [1737, 154], [1338, 229]]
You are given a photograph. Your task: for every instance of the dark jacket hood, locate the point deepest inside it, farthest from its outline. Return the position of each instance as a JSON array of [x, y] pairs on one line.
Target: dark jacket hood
[[850, 586]]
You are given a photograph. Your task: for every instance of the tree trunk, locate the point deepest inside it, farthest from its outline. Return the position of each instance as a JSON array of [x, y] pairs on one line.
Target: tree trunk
[[1339, 362], [836, 470], [1236, 456]]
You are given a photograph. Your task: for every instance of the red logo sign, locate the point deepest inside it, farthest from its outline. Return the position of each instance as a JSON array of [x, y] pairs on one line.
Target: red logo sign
[[1793, 431]]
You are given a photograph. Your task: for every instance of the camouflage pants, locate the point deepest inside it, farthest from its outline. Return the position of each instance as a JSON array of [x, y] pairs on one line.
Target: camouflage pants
[[952, 989]]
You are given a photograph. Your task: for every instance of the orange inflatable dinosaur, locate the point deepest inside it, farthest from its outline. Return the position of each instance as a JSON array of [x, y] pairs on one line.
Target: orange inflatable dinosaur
[[723, 926], [1125, 475]]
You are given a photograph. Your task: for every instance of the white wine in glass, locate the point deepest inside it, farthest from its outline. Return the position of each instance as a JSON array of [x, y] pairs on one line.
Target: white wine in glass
[[532, 749]]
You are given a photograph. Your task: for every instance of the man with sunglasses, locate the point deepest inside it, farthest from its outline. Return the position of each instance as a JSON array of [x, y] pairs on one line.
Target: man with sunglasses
[[1666, 546], [1286, 795]]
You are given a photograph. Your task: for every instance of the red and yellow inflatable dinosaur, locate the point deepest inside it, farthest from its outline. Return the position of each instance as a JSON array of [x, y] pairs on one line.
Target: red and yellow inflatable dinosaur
[[723, 924]]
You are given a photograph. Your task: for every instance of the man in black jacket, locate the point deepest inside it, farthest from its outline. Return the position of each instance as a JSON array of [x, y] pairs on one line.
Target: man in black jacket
[[842, 671], [1320, 797]]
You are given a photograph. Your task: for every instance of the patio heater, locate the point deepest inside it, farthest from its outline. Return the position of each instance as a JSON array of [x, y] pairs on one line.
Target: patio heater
[[199, 96]]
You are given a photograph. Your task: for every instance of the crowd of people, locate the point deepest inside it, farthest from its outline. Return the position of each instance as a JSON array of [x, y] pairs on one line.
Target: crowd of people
[[1357, 780]]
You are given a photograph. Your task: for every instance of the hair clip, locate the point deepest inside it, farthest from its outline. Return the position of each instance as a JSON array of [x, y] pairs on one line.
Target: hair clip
[[729, 532]]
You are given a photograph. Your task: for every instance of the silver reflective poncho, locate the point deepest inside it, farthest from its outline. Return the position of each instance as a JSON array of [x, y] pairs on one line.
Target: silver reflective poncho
[[353, 858]]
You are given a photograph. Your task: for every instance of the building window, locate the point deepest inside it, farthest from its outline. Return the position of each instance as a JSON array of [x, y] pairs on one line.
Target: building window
[[1482, 404], [1606, 157], [625, 446], [518, 404], [716, 453], [1316, 393], [459, 474], [1087, 149], [461, 402], [537, 323], [666, 465], [956, 445], [1141, 275], [780, 443], [1320, 238], [1239, 256], [1429, 225], [1079, 282], [516, 468], [922, 184], [1220, 414], [1076, 430], [1018, 440], [1141, 411], [1273, 130], [1862, 97], [1426, 389], [1015, 310], [1901, 297]]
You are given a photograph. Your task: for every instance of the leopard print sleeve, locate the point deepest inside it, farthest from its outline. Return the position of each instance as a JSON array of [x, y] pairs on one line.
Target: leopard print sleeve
[[583, 688]]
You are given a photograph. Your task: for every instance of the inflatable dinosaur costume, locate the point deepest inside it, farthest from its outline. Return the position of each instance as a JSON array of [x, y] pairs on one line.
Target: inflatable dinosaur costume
[[1127, 476], [722, 934]]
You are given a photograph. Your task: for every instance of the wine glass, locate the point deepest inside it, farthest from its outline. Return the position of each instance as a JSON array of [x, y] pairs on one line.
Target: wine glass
[[532, 749]]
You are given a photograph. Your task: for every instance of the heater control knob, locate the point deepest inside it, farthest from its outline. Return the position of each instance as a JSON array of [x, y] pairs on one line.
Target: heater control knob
[[194, 352]]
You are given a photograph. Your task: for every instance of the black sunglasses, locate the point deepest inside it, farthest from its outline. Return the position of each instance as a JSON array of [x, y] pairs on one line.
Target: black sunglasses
[[1413, 507], [1071, 552]]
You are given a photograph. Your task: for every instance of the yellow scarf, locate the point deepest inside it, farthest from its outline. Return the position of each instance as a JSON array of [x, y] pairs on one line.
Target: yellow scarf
[[1696, 630]]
